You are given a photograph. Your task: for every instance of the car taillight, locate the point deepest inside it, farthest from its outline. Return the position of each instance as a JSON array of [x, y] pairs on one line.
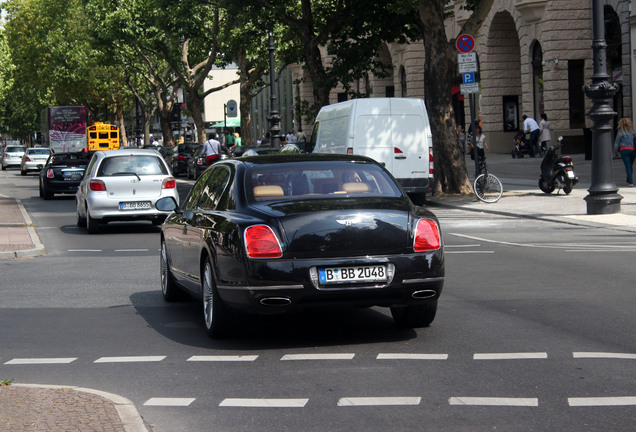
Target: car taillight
[[97, 185], [397, 150], [182, 158], [169, 183], [426, 236], [431, 164], [49, 173], [27, 159], [349, 150], [261, 242]]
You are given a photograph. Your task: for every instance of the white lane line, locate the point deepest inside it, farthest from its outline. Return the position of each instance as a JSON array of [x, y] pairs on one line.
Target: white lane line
[[603, 401], [24, 361], [175, 402], [344, 356], [494, 401], [132, 250], [407, 356], [129, 359], [510, 356], [378, 401], [469, 252], [227, 358], [604, 355], [264, 403]]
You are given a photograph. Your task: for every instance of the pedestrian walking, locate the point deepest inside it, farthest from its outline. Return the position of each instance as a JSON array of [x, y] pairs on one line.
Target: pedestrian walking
[[545, 135], [624, 145], [479, 140], [530, 125], [211, 150]]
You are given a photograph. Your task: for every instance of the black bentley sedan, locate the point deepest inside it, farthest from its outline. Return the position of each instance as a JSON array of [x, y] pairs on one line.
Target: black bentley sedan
[[266, 234], [62, 173]]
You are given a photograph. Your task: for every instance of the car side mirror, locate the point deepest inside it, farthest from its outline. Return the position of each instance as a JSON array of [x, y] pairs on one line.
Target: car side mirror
[[168, 204]]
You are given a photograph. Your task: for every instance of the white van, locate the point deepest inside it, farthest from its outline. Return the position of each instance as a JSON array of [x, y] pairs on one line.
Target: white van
[[393, 131]]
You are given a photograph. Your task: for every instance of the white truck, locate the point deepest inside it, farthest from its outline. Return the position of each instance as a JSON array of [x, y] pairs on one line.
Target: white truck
[[394, 131]]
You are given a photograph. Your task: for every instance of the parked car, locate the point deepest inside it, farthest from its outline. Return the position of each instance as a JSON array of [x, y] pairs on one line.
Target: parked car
[[12, 156], [62, 173], [123, 185], [178, 159], [250, 150], [34, 159], [276, 233]]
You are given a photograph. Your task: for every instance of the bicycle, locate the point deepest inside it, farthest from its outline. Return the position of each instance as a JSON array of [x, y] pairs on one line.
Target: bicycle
[[486, 186]]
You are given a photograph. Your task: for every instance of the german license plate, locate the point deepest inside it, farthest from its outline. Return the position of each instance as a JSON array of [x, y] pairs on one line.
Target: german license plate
[[330, 275], [134, 205], [72, 175]]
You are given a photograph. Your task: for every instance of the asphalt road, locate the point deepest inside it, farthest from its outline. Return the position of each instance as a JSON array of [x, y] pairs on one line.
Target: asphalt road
[[534, 332]]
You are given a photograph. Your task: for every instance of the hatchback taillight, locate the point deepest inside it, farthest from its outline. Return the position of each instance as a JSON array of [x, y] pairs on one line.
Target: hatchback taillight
[[182, 158], [169, 183], [27, 159], [261, 242], [49, 173], [97, 185], [426, 236]]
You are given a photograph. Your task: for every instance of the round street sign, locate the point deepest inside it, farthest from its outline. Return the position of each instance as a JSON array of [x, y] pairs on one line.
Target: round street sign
[[465, 43]]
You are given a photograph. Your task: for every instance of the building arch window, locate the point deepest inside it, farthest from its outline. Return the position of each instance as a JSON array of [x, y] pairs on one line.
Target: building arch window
[[537, 78]]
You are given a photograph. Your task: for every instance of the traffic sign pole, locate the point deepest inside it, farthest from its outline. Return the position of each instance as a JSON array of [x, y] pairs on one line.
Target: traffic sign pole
[[467, 65]]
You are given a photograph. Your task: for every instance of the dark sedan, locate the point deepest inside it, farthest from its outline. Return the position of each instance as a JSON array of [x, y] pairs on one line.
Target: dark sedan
[[196, 163], [62, 173], [276, 233]]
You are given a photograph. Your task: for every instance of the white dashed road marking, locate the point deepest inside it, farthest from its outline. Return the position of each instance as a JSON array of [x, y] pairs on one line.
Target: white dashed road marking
[[317, 356], [511, 356], [603, 401], [604, 355], [264, 403], [130, 359], [223, 358], [494, 401], [174, 402], [378, 401], [26, 361]]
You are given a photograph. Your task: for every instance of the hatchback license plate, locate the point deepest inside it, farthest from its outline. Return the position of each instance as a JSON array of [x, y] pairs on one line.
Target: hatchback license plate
[[134, 205], [352, 274]]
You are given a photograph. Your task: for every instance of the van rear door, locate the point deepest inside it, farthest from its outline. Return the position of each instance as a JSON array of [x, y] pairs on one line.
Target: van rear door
[[411, 140], [373, 139]]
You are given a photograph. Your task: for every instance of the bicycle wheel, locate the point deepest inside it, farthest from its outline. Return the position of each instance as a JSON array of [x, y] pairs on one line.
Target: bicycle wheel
[[488, 188]]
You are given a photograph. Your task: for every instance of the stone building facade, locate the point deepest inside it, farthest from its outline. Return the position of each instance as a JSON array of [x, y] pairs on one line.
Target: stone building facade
[[534, 56]]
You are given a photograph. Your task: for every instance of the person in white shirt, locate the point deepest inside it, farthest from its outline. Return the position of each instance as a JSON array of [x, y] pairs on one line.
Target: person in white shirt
[[531, 125], [211, 150]]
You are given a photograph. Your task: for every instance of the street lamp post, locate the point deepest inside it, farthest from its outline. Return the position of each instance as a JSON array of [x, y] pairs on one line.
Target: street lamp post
[[603, 197], [273, 118]]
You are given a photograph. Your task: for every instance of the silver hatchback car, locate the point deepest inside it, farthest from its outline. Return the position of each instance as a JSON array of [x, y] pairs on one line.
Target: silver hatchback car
[[123, 185]]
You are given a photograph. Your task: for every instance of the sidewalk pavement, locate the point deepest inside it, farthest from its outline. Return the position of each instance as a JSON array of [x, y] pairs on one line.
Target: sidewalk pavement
[[57, 408]]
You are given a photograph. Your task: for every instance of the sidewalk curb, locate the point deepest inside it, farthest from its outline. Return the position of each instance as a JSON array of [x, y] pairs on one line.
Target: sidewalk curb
[[38, 248], [127, 411], [564, 219]]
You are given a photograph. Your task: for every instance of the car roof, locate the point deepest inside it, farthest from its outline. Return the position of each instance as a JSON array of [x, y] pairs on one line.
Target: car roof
[[303, 157], [129, 152]]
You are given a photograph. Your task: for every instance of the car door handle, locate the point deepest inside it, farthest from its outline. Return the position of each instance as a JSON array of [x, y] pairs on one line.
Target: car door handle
[[400, 157]]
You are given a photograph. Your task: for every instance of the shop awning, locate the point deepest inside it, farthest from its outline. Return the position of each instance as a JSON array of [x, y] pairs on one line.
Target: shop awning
[[231, 122]]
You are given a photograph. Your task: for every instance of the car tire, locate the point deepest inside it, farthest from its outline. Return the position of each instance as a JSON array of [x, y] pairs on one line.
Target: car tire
[[92, 225], [81, 221], [23, 172], [168, 285], [414, 316], [4, 168], [215, 316], [41, 191]]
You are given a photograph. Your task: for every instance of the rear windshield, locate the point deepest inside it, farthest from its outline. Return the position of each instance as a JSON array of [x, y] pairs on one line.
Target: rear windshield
[[69, 159], [132, 164], [39, 151], [308, 180], [14, 149]]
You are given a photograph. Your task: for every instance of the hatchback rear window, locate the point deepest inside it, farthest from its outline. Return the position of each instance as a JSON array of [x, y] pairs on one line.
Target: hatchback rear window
[[15, 149], [132, 164], [308, 180], [39, 151]]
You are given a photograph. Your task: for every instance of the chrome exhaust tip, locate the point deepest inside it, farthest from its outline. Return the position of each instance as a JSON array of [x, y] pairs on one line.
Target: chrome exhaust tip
[[423, 294], [275, 301]]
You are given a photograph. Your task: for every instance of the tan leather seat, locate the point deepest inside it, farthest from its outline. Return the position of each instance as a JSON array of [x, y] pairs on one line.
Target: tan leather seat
[[355, 187], [268, 191]]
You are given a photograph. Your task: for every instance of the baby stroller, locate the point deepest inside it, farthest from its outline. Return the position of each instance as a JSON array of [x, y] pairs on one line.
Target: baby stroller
[[522, 146]]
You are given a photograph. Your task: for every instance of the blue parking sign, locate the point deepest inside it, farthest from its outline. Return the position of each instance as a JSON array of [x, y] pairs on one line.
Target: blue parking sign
[[468, 77]]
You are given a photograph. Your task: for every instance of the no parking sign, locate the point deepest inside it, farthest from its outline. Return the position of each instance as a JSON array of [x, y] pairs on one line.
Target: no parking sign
[[465, 43]]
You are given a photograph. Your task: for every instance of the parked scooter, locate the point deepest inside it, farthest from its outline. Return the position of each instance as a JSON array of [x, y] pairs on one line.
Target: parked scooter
[[557, 172]]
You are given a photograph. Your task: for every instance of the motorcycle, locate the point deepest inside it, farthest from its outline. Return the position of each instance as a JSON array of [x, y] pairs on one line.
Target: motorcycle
[[557, 172]]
